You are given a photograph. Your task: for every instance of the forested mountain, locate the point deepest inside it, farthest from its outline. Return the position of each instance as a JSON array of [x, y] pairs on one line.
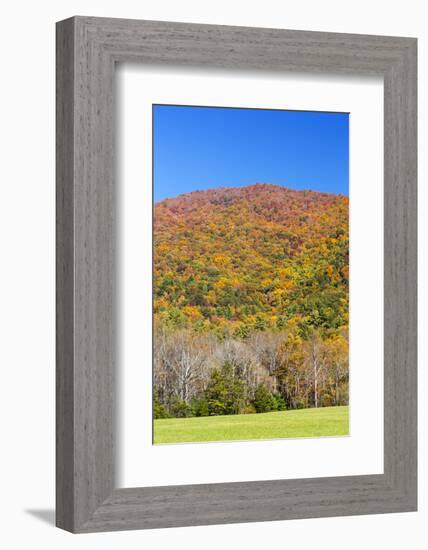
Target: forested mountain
[[242, 258], [250, 301]]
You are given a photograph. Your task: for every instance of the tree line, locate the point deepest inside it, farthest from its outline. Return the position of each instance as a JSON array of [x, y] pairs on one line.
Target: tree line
[[199, 374]]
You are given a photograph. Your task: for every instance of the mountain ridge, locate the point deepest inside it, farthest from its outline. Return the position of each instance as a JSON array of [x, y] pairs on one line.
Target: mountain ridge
[[233, 257], [249, 187]]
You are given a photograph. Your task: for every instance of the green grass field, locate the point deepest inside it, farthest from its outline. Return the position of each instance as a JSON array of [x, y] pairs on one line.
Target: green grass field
[[325, 421]]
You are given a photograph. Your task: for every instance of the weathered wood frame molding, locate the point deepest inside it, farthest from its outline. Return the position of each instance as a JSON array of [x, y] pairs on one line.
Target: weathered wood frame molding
[[87, 50]]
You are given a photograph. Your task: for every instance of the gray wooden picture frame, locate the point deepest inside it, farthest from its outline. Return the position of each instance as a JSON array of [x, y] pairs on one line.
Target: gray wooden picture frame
[[87, 50]]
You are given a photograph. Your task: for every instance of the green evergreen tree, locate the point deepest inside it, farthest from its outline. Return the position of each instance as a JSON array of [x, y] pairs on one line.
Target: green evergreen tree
[[225, 391], [264, 401]]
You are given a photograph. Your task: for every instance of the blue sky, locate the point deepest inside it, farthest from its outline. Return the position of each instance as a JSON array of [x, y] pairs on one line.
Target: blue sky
[[197, 148]]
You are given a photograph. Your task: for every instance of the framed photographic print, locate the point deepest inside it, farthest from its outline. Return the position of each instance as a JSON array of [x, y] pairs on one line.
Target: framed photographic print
[[236, 274], [250, 281]]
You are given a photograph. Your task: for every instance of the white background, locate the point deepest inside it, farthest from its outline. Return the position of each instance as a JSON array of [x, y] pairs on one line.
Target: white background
[[27, 272], [360, 453]]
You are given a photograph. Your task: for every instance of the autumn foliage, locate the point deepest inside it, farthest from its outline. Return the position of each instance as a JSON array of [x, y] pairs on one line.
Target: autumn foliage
[[258, 268]]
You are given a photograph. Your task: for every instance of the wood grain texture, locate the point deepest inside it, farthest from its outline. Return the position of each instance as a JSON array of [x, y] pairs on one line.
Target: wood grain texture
[[87, 50], [64, 276]]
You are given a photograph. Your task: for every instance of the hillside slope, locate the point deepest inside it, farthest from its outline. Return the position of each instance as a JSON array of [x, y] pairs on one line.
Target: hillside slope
[[241, 258]]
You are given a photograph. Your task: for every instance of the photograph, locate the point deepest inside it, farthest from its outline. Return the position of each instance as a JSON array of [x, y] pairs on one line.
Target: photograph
[[251, 271], [210, 267]]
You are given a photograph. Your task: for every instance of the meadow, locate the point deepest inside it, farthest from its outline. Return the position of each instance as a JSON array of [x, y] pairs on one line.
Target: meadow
[[313, 422]]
